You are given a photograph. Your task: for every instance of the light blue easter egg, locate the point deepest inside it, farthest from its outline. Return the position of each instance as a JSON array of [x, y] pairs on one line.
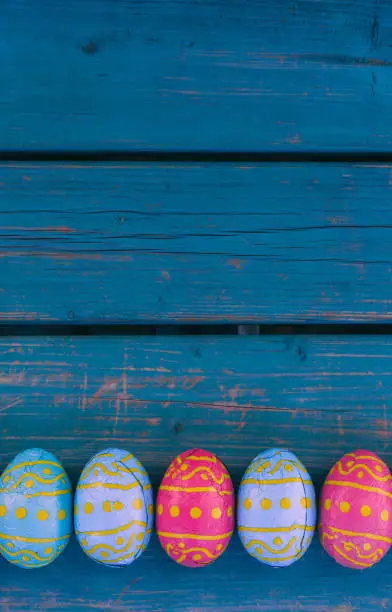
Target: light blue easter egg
[[276, 513], [35, 509], [114, 509]]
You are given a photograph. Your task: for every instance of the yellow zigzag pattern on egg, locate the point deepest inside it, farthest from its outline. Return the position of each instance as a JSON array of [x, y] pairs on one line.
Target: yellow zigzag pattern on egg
[[206, 470], [364, 467], [33, 476], [100, 466], [266, 546], [373, 556], [31, 464], [196, 549], [124, 557], [116, 551], [298, 465], [26, 552], [377, 459]]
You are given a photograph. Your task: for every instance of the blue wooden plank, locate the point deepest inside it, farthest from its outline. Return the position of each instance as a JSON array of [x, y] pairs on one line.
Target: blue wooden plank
[[319, 396], [162, 74], [212, 242]]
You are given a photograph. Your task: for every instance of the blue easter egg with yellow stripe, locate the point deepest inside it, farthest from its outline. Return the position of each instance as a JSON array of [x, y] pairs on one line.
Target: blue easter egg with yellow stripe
[[276, 513], [35, 509], [114, 509]]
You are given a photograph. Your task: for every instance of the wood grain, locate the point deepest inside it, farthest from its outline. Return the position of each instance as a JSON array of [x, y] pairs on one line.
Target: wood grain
[[290, 75], [182, 243], [318, 396]]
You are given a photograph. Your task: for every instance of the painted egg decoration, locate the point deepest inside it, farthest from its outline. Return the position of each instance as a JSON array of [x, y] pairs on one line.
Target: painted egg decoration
[[276, 512], [35, 509], [355, 508], [195, 508], [114, 509]]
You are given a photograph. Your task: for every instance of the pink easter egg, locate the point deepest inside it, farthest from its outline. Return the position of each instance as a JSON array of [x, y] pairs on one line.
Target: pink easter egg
[[195, 508], [355, 510]]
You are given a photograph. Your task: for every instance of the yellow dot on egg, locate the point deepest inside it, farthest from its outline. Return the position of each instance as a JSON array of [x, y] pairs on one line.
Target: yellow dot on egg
[[3, 510], [181, 545], [219, 547], [88, 507], [61, 514], [350, 464], [204, 476], [366, 511], [10, 545], [21, 513], [96, 472], [47, 471], [247, 503], [25, 558], [117, 505], [306, 502], [184, 467], [150, 509], [344, 507], [196, 557], [378, 468], [140, 537], [160, 509], [327, 504], [104, 553], [174, 511], [230, 511], [367, 546], [6, 479], [137, 504], [285, 503], [216, 513], [278, 541], [29, 483], [42, 515], [107, 506], [266, 503], [360, 475], [84, 542], [384, 515], [48, 551], [120, 540], [288, 467], [195, 513]]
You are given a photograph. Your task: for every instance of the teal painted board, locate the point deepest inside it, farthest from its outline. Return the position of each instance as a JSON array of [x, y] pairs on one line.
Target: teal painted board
[[319, 396], [169, 243], [290, 75]]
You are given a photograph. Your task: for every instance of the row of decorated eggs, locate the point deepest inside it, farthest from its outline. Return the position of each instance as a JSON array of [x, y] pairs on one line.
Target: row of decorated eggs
[[113, 509]]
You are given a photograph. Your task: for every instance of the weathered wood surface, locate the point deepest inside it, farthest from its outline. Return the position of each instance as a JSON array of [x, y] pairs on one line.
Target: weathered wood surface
[[235, 396], [288, 75], [210, 242]]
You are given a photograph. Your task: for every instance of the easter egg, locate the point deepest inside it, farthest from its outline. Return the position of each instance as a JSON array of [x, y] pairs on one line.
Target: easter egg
[[195, 508], [276, 512], [35, 509], [355, 510], [113, 509]]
